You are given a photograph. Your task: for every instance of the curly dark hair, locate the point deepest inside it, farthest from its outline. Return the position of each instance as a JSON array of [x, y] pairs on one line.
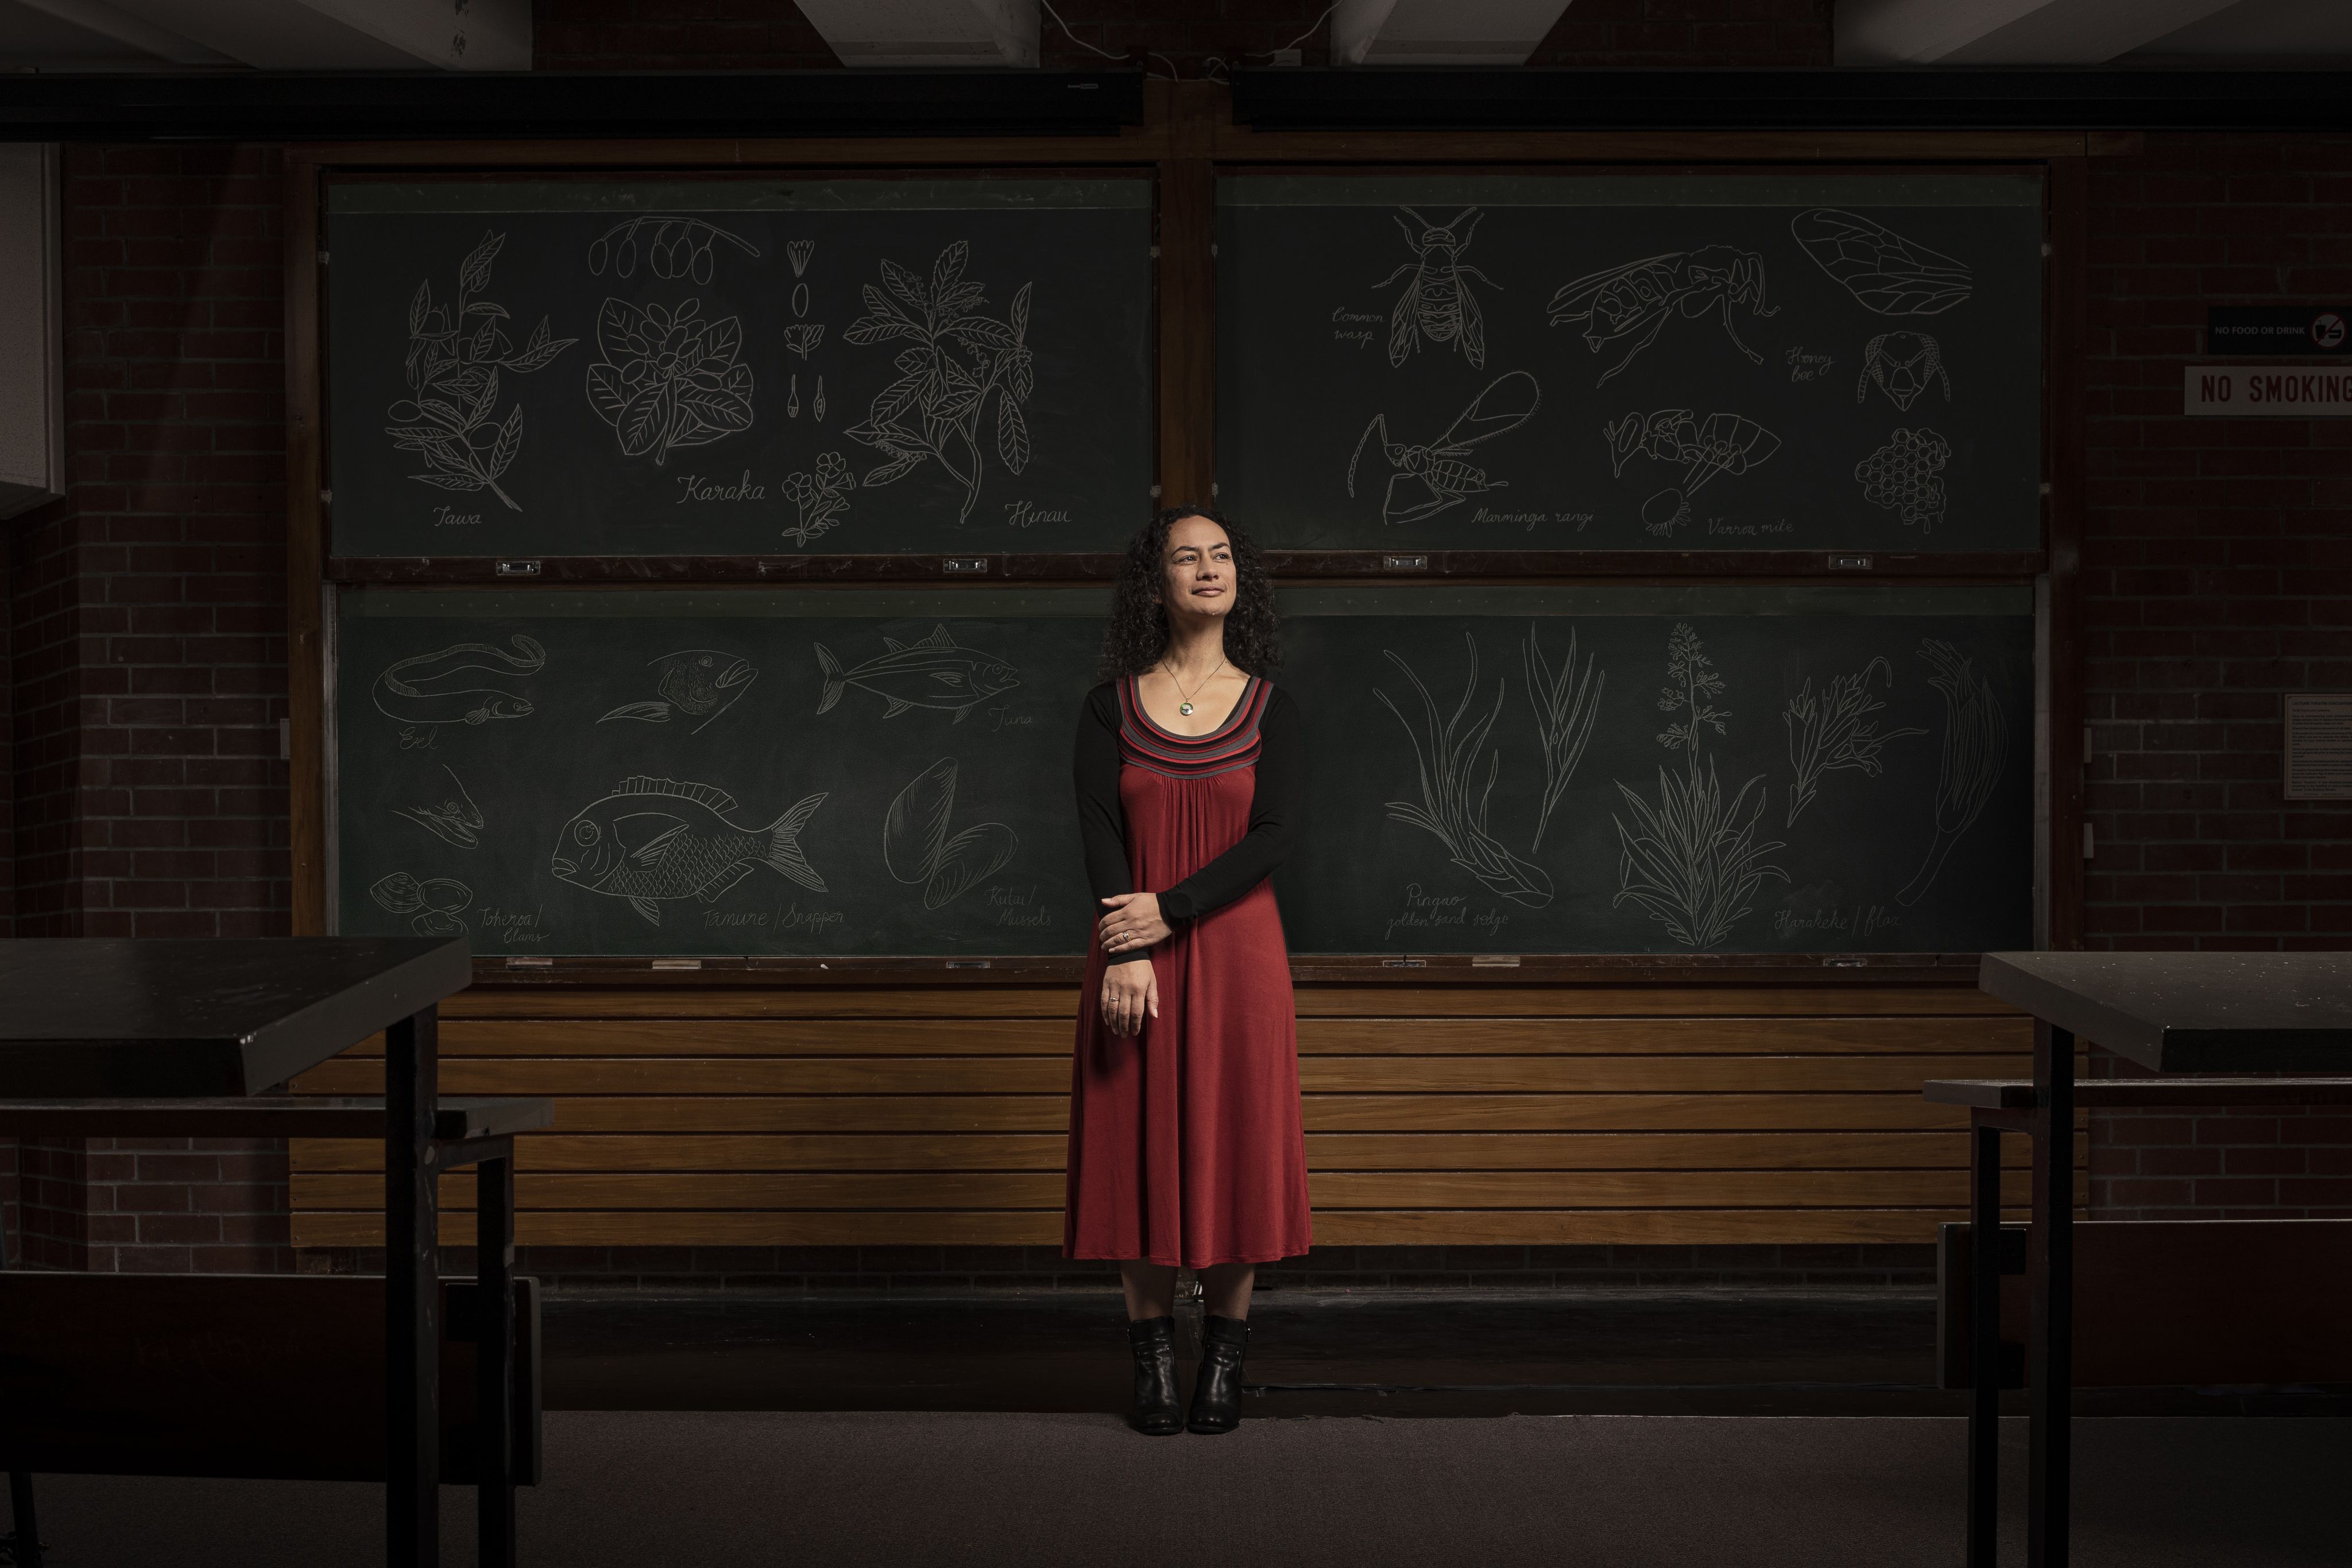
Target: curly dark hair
[[1137, 637]]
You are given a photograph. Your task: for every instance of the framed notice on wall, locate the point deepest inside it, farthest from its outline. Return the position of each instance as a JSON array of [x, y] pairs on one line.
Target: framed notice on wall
[[2318, 764]]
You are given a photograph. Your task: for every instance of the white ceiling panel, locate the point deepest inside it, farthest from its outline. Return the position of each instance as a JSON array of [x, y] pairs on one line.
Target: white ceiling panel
[[903, 35], [2281, 30], [1440, 32], [2006, 32]]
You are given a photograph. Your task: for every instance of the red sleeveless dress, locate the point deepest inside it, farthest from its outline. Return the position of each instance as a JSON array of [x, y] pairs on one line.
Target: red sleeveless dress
[[1186, 1143]]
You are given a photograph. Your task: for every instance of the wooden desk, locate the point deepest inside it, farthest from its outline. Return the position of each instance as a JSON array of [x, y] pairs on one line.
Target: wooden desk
[[147, 1020], [2170, 1012]]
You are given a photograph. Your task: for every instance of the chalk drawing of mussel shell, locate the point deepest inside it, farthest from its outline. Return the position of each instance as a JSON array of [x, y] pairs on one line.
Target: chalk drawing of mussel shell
[[972, 857], [917, 848]]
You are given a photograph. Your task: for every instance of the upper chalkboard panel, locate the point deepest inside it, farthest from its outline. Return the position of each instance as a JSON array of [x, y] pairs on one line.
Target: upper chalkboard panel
[[738, 367], [1718, 362]]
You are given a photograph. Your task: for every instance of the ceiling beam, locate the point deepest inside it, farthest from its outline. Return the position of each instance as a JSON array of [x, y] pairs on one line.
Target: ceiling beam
[[2006, 32], [1440, 32], [908, 35]]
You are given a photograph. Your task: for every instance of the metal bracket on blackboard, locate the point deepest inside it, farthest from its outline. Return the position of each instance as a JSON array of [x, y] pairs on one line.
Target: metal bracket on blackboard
[[518, 569], [1404, 563], [1849, 564], [964, 564]]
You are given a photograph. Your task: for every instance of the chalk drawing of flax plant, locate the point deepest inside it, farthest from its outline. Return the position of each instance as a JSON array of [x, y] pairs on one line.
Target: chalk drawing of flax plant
[[958, 359], [1566, 704], [456, 351], [1453, 802], [1692, 862], [1827, 732], [1976, 742]]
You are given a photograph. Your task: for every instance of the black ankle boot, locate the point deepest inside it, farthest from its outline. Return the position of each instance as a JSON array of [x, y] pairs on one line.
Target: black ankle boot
[[1153, 1341], [1217, 1392]]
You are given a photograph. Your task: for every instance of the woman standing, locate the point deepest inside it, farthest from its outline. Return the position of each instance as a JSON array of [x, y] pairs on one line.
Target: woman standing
[[1186, 1148]]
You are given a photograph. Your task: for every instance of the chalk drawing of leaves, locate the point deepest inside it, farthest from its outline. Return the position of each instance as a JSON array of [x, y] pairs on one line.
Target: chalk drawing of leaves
[[668, 377], [456, 351]]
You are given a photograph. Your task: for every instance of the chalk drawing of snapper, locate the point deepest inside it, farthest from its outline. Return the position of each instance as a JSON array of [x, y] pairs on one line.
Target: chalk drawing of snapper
[[653, 840], [933, 672]]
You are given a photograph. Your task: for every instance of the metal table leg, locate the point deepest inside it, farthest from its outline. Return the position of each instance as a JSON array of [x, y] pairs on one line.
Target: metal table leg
[[2050, 1263], [494, 1398], [1984, 1346], [26, 1537], [411, 1295]]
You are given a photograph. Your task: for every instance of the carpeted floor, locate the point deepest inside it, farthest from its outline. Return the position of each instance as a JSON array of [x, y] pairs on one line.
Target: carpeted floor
[[642, 1487]]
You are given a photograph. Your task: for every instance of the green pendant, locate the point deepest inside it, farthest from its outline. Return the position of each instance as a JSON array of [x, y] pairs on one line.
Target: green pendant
[[1184, 708]]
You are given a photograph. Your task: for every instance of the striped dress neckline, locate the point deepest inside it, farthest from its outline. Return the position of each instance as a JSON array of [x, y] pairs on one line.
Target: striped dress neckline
[[1144, 743]]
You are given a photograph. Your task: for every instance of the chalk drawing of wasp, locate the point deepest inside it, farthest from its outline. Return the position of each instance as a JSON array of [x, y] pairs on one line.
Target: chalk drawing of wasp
[[1723, 444], [1508, 402], [1620, 302], [1437, 300]]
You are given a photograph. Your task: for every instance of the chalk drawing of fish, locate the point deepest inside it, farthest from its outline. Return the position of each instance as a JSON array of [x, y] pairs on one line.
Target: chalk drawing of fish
[[456, 821], [933, 674], [446, 685], [434, 906], [652, 839], [700, 682]]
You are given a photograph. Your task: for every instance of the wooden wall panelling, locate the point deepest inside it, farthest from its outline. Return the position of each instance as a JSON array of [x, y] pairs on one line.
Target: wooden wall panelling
[[1593, 1114]]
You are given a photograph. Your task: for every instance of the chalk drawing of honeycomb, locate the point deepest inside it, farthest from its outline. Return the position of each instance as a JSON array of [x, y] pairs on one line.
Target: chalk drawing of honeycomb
[[1903, 475]]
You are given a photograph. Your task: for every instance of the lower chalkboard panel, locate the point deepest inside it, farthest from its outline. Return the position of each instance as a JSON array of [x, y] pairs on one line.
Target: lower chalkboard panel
[[1498, 770]]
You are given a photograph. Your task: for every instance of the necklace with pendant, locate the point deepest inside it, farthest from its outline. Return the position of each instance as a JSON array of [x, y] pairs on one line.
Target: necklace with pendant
[[1185, 705]]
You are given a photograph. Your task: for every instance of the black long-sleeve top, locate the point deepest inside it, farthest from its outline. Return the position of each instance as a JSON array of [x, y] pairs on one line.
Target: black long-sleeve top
[[1102, 822]]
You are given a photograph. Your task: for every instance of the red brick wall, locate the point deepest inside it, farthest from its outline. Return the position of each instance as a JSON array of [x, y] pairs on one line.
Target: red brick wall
[[667, 35], [148, 655], [2218, 575]]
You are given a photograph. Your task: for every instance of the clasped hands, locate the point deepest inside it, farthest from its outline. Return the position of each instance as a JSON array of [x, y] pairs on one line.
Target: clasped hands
[[1130, 991]]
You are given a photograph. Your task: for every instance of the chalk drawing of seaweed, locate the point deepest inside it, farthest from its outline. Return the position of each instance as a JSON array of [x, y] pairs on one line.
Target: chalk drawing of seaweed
[[674, 247], [955, 362], [1566, 702], [1829, 732], [456, 351], [1976, 742], [1692, 862], [1453, 805]]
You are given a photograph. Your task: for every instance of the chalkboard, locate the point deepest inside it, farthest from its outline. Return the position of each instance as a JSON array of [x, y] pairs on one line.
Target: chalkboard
[[607, 367], [1717, 361], [1506, 769]]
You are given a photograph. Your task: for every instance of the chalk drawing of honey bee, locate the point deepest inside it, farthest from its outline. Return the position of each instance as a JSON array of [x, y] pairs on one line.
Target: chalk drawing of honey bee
[[1437, 300], [1638, 298], [1508, 402]]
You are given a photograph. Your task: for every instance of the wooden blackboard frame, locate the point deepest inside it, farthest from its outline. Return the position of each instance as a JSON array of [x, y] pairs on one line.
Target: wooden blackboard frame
[[1188, 137]]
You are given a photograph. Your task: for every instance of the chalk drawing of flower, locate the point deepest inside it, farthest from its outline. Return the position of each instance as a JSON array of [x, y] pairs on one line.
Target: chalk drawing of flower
[[668, 377]]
